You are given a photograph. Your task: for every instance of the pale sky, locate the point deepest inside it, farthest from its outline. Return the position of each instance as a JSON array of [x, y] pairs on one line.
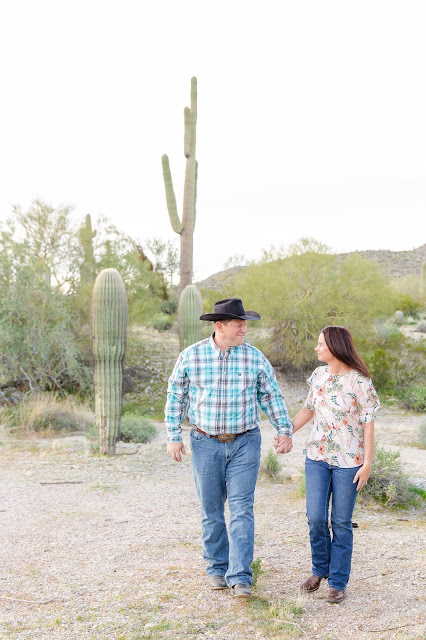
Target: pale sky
[[311, 117]]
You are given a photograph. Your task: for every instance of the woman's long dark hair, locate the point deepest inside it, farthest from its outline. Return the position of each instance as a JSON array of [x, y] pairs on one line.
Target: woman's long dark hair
[[341, 345]]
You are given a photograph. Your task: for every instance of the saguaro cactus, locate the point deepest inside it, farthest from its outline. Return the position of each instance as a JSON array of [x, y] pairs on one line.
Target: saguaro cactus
[[109, 326], [88, 267], [190, 310], [185, 228]]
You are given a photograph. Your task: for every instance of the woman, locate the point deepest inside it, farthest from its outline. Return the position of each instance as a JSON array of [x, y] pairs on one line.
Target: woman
[[339, 452]]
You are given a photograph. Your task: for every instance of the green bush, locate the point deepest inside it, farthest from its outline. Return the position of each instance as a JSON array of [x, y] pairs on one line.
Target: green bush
[[256, 567], [421, 327], [409, 306], [272, 466], [414, 399], [136, 428], [398, 367], [388, 483], [301, 488], [169, 307], [386, 329], [422, 434], [162, 322]]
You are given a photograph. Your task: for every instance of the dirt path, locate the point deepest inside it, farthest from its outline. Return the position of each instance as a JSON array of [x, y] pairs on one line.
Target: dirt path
[[112, 548]]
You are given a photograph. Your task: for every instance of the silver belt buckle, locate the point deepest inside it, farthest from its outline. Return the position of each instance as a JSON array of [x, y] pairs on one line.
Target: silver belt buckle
[[227, 437]]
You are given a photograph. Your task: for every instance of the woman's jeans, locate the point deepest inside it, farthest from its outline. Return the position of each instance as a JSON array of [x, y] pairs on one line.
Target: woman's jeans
[[227, 470], [330, 557]]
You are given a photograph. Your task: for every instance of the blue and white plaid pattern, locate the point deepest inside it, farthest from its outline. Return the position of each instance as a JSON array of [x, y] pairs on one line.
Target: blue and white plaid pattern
[[220, 393]]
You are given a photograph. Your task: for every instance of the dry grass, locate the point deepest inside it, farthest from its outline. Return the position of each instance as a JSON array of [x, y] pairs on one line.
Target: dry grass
[[47, 413]]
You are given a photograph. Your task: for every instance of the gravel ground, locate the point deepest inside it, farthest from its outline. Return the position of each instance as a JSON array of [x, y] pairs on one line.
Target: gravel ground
[[98, 548]]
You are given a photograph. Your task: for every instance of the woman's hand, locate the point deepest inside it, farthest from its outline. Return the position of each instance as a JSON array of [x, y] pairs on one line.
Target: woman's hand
[[283, 444], [362, 475]]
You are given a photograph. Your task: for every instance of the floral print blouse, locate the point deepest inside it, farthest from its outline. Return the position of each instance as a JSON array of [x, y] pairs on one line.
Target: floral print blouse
[[342, 404]]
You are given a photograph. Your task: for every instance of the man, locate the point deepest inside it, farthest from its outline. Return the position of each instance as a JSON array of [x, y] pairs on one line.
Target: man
[[217, 385]]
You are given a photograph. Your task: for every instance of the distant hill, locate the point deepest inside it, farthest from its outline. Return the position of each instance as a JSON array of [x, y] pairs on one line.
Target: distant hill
[[394, 263]]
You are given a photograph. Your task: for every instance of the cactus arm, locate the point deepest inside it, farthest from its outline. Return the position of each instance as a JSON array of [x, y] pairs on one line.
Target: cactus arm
[[187, 135], [170, 196], [194, 100]]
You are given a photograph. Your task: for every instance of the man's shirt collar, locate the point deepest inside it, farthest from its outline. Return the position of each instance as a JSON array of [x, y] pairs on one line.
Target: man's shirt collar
[[217, 349]]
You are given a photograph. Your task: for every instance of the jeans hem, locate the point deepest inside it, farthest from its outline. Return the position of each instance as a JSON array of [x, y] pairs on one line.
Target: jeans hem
[[333, 586]]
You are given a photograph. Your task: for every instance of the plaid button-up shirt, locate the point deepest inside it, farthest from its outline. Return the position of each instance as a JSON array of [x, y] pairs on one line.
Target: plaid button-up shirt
[[221, 393]]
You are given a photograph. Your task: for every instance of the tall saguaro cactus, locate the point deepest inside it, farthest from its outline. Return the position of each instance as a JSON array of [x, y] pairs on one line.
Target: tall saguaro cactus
[[185, 228], [190, 310], [109, 327], [86, 235]]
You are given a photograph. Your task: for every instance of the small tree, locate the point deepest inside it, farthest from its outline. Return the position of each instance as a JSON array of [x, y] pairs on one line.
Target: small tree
[[37, 339], [43, 237], [307, 289]]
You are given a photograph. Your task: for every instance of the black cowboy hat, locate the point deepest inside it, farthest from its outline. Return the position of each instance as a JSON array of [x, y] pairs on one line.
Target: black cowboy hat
[[230, 308]]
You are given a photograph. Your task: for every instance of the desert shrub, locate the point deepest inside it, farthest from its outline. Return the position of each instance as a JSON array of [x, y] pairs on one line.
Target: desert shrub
[[37, 332], [414, 398], [301, 488], [409, 292], [162, 322], [386, 329], [409, 306], [136, 428], [421, 327], [422, 434], [272, 466], [382, 365], [256, 567], [48, 412], [398, 367], [388, 483], [169, 307]]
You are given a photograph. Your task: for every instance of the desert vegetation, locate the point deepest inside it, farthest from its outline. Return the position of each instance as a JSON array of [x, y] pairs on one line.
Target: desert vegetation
[[48, 267], [304, 288]]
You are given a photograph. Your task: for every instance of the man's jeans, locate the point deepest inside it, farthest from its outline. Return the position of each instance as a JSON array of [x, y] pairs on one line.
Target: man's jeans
[[330, 557], [227, 470]]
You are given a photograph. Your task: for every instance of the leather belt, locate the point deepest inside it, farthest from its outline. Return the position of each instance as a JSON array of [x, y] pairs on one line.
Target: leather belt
[[222, 437]]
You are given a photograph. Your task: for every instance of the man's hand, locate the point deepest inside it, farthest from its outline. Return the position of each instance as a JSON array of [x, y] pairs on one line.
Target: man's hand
[[283, 444], [174, 450]]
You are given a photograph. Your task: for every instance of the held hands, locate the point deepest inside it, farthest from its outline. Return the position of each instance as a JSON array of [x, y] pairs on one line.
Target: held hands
[[283, 444], [174, 450], [362, 475]]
